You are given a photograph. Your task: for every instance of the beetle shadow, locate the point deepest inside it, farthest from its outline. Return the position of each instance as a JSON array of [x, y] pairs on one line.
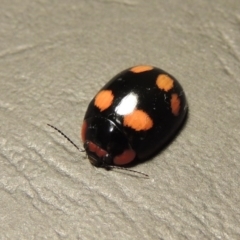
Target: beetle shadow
[[161, 148]]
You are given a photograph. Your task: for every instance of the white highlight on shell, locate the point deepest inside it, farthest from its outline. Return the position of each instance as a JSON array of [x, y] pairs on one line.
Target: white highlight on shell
[[127, 105]]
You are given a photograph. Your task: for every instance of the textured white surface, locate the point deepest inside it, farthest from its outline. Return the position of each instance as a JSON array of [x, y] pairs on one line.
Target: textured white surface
[[54, 56]]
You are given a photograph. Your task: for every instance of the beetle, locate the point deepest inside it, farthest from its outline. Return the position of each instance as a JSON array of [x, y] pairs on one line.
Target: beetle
[[132, 117]]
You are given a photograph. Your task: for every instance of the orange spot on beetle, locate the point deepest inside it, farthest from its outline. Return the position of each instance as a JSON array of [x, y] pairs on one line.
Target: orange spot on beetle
[[138, 120], [141, 68], [175, 104], [104, 99], [164, 82]]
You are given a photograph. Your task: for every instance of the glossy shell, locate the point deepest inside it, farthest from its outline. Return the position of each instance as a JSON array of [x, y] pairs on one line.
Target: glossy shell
[[142, 107]]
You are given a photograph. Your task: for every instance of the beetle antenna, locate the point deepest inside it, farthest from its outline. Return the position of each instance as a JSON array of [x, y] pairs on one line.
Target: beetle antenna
[[126, 169], [80, 150]]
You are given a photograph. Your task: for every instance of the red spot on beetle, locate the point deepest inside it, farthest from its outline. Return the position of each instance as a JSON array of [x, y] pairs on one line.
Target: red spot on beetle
[[126, 157], [83, 131], [175, 104]]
